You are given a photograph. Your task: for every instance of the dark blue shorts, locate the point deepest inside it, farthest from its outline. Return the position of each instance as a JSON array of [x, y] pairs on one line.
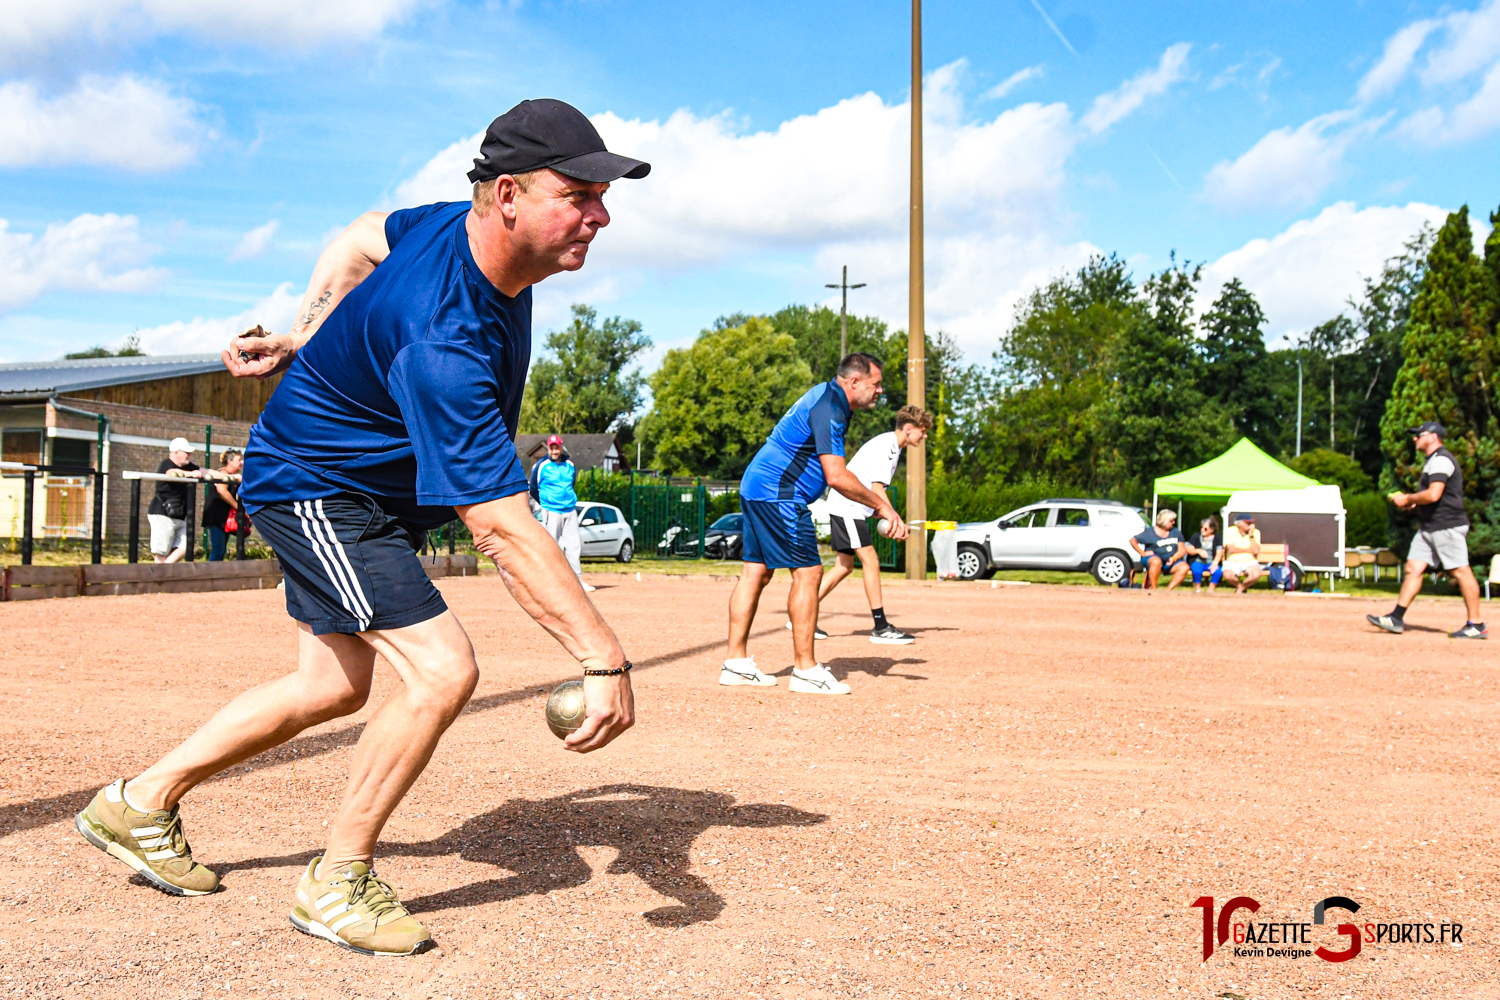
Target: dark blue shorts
[[348, 565], [779, 534]]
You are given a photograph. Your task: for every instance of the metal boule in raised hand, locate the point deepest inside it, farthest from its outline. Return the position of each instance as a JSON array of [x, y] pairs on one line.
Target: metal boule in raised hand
[[259, 331], [565, 709]]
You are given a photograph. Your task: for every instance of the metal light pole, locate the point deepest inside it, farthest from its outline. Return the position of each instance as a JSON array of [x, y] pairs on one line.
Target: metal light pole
[[1299, 407], [916, 349], [844, 312]]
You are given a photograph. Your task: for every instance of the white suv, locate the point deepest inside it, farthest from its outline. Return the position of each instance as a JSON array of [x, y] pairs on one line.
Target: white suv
[[1080, 535]]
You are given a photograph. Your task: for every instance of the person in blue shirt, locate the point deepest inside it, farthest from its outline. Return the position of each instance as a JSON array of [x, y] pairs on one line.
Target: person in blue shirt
[[397, 410], [554, 500], [803, 456], [1161, 548]]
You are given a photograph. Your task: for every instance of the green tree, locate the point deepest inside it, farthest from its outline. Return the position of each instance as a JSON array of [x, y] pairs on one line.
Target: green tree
[[1333, 469], [1447, 372], [714, 403], [583, 387], [1238, 372], [130, 348], [1159, 419]]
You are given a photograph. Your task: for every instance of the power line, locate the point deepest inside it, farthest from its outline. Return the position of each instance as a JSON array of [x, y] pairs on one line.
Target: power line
[[844, 312]]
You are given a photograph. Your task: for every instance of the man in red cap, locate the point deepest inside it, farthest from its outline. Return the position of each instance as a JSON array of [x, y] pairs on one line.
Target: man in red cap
[[554, 500]]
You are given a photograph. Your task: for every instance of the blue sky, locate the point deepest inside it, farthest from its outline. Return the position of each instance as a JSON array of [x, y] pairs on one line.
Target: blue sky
[[174, 168]]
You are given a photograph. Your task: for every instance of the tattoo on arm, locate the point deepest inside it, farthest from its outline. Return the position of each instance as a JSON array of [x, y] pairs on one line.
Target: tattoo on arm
[[316, 308]]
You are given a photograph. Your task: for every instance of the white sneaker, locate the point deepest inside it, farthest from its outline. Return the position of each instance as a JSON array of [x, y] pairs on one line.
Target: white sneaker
[[818, 680], [588, 588], [744, 672], [817, 632]]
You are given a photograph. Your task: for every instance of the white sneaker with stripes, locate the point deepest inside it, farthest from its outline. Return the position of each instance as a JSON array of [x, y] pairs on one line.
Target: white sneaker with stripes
[[355, 910], [744, 672]]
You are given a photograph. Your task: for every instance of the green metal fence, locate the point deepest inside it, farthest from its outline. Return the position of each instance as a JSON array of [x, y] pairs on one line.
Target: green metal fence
[[892, 553]]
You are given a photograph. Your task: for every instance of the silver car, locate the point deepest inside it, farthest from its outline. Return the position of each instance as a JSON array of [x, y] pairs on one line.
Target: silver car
[[1066, 534], [604, 531]]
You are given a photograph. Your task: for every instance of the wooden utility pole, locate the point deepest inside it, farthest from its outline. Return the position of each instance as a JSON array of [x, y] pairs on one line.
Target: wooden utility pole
[[916, 345], [844, 312]]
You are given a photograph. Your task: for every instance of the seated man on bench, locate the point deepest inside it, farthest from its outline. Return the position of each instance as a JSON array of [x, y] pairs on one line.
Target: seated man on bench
[[1242, 553]]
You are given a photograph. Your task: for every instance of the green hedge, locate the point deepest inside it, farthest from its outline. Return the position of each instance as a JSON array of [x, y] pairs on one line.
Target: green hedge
[[1365, 523]]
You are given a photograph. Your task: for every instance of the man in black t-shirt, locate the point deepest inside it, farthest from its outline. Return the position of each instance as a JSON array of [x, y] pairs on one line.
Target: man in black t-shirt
[[1442, 533], [168, 511]]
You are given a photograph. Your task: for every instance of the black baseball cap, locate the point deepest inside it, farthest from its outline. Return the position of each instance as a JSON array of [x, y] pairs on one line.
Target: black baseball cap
[[545, 133], [1245, 517], [1431, 426]]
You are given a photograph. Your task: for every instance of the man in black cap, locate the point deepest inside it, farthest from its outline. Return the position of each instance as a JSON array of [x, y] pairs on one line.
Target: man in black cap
[[1442, 533], [400, 413]]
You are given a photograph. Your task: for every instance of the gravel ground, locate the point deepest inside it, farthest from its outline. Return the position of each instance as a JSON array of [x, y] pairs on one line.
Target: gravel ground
[[1026, 802]]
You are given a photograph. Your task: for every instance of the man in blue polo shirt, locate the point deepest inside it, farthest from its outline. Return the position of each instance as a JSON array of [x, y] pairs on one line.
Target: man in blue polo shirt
[[803, 456], [398, 414]]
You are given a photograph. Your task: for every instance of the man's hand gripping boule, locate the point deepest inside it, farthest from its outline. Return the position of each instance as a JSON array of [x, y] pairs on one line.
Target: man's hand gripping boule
[[537, 574]]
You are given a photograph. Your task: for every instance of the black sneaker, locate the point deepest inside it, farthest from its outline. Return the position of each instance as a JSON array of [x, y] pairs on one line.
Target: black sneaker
[[1473, 630], [1387, 622], [817, 632], [890, 635]]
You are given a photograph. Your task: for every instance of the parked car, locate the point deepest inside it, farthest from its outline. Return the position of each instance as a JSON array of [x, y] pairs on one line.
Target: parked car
[[725, 538], [1067, 534], [604, 531]]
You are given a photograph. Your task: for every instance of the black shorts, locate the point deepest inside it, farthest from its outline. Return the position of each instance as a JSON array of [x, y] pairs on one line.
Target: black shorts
[[348, 565], [848, 533]]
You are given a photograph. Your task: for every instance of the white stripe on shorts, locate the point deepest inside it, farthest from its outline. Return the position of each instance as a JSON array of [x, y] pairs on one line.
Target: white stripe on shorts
[[313, 532], [855, 542], [354, 587]]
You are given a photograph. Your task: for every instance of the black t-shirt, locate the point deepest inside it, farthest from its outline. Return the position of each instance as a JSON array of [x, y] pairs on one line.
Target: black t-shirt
[[1212, 546], [1155, 545], [215, 509], [171, 499], [1448, 512]]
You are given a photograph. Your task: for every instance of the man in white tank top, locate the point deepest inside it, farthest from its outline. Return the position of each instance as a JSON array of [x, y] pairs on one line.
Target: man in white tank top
[[848, 520]]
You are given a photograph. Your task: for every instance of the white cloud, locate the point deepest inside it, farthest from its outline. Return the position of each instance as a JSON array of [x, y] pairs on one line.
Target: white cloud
[[30, 28], [256, 242], [101, 253], [203, 335], [1111, 107], [1015, 80], [833, 185], [1287, 168], [1306, 274], [1400, 49], [121, 122]]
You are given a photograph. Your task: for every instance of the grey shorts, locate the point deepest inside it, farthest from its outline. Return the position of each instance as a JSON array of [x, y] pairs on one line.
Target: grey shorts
[[167, 534], [1447, 548]]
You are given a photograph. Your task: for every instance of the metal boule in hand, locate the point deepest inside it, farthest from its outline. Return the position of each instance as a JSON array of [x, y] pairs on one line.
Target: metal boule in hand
[[565, 709]]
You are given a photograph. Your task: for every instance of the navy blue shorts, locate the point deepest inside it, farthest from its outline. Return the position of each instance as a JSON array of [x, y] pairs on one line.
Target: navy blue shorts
[[348, 565], [779, 534]]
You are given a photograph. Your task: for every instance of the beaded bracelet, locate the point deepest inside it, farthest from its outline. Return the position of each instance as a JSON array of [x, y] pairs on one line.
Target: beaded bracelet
[[609, 673]]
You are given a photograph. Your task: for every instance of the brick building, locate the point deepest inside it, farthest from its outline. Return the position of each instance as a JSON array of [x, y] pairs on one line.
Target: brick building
[[50, 414]]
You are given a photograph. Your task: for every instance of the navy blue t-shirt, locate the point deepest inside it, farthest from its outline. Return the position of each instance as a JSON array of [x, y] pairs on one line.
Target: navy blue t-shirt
[[786, 467], [1155, 545], [410, 390]]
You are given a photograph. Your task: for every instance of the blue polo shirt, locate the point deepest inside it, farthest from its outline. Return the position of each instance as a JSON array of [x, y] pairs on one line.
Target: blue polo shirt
[[411, 389], [787, 466]]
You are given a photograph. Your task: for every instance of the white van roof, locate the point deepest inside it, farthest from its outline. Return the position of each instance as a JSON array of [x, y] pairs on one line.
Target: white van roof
[[1311, 500]]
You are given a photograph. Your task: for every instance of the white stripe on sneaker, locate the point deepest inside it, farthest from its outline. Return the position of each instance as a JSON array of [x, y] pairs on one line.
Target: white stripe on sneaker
[[327, 898], [343, 922], [139, 831], [158, 855], [335, 911]]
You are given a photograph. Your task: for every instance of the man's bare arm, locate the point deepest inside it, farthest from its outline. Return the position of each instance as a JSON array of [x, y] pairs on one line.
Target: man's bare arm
[[349, 259], [840, 478], [538, 575]]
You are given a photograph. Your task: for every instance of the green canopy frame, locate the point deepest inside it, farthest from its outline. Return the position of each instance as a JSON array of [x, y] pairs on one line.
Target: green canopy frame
[[1242, 467]]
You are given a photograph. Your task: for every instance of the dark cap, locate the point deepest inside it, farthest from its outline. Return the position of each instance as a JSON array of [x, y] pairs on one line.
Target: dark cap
[[1431, 426], [547, 133], [1245, 517]]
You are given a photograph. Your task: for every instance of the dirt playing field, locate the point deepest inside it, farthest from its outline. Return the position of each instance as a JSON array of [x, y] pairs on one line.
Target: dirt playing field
[[1026, 802]]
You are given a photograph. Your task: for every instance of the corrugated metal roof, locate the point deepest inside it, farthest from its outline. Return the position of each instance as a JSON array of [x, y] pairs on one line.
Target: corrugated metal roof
[[43, 378]]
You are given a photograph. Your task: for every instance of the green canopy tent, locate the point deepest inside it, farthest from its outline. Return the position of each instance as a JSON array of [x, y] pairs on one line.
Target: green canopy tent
[[1242, 467]]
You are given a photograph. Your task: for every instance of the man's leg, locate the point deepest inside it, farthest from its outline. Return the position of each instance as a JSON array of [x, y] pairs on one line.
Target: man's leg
[[1469, 587], [568, 538], [802, 608], [843, 565], [743, 601], [869, 561], [332, 679], [1411, 583]]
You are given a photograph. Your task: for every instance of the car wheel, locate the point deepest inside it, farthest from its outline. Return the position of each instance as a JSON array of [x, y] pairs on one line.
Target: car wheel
[[1110, 567], [971, 562], [627, 551]]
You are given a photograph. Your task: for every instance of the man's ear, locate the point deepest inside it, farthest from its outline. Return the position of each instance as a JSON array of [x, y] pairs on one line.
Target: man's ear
[[506, 193]]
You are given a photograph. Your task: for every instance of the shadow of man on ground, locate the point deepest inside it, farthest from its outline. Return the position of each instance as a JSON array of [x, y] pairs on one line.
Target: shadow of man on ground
[[875, 666], [653, 829]]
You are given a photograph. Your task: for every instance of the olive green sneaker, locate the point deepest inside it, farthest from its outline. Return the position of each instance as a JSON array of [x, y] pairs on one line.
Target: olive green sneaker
[[358, 911], [151, 842]]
